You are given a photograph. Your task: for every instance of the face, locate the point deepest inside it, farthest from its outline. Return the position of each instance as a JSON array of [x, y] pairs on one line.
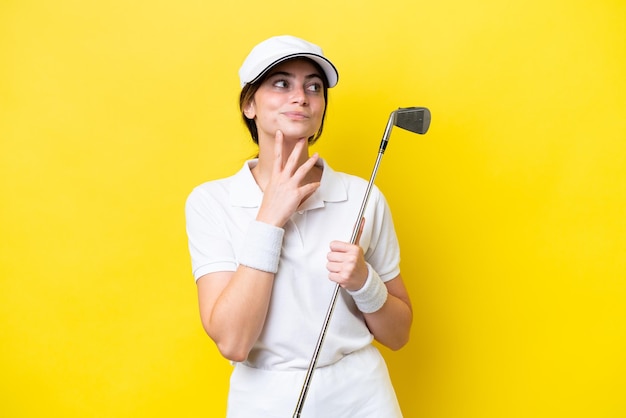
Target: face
[[291, 98]]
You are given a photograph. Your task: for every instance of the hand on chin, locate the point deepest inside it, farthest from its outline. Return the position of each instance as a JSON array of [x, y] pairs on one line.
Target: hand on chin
[[294, 134]]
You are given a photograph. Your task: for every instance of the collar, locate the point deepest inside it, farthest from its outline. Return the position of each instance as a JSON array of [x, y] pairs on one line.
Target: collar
[[245, 193]]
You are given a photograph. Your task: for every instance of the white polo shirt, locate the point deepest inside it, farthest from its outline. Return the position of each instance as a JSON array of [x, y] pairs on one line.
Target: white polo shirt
[[218, 214]]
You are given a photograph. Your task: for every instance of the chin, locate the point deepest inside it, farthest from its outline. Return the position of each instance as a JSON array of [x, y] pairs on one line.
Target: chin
[[296, 134]]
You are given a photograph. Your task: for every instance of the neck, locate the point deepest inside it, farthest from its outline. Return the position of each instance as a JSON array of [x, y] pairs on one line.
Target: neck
[[263, 170]]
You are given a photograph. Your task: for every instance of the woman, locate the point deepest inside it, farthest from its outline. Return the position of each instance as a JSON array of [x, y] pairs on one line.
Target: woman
[[268, 245]]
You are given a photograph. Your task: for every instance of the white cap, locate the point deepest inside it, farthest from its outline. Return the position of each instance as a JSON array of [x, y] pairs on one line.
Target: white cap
[[277, 49]]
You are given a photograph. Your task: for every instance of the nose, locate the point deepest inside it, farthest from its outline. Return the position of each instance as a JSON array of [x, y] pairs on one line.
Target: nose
[[299, 95]]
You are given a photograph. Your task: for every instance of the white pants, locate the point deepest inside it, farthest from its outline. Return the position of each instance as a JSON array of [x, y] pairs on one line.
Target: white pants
[[357, 386]]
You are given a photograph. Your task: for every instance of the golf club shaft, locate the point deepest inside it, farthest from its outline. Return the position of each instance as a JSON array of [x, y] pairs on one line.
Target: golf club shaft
[[333, 302], [413, 119]]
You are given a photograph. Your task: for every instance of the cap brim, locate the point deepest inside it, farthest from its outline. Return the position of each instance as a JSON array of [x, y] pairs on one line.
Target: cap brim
[[332, 76]]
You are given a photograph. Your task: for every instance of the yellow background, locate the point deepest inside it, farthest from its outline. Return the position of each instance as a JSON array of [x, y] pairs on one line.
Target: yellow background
[[511, 211]]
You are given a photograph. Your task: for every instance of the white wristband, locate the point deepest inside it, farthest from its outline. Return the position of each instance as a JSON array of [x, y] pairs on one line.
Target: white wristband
[[373, 295], [261, 247]]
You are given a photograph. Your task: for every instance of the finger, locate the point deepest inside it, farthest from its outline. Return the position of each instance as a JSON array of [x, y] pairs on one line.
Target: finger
[[278, 151], [342, 247], [333, 267], [309, 188], [294, 157], [334, 257], [306, 166]]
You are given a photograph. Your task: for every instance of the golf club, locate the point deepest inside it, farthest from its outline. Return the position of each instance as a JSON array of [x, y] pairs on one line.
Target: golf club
[[413, 119]]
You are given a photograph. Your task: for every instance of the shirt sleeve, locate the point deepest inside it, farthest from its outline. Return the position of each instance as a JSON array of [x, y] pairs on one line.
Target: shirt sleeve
[[382, 251], [210, 244]]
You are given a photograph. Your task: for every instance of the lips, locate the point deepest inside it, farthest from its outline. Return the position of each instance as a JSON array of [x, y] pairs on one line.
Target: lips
[[296, 115]]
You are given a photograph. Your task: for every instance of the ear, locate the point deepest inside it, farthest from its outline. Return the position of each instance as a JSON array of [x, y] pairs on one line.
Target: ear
[[249, 110]]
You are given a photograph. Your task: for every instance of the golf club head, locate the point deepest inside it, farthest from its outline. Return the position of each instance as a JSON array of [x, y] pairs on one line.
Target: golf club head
[[413, 119]]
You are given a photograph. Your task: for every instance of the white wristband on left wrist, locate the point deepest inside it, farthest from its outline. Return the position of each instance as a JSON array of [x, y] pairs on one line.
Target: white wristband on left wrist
[[373, 295]]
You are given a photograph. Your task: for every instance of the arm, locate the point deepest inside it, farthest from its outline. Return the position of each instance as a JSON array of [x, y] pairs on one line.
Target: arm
[[233, 308], [234, 305], [390, 324]]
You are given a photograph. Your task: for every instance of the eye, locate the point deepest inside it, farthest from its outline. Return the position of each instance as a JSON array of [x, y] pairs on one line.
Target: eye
[[280, 83], [314, 87]]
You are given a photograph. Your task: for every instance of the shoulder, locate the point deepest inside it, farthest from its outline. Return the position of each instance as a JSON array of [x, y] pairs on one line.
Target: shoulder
[[356, 187], [219, 190], [214, 190]]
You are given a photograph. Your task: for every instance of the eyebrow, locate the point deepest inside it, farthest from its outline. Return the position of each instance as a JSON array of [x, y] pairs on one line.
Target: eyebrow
[[291, 75]]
